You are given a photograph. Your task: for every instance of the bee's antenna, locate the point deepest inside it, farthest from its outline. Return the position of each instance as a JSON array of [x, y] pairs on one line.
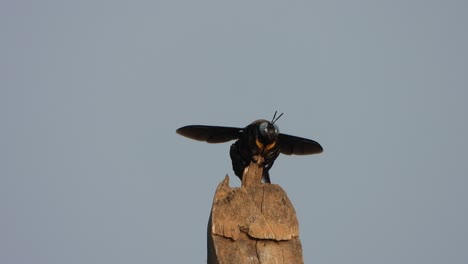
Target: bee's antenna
[[274, 120]]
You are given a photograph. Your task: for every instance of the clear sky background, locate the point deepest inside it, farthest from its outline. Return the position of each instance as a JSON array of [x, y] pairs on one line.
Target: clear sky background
[[91, 93]]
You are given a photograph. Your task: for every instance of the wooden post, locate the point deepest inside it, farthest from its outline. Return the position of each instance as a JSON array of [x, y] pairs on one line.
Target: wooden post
[[255, 223]]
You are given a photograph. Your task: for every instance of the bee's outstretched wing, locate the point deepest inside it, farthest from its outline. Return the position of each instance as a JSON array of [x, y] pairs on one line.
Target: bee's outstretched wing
[[297, 145], [210, 134]]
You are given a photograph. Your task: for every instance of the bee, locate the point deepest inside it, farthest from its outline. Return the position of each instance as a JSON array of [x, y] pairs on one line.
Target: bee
[[260, 138]]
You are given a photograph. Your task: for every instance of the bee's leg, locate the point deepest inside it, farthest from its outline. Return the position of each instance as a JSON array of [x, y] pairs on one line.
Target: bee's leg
[[238, 164], [266, 169], [266, 176]]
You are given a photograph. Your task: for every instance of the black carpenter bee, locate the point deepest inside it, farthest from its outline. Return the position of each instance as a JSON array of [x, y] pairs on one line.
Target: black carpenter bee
[[261, 137]]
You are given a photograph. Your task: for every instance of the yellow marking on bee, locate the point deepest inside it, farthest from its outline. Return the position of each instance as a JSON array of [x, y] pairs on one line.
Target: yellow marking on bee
[[270, 146], [263, 147], [259, 144]]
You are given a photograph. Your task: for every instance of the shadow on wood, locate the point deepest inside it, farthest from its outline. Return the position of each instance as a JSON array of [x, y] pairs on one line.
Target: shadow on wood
[[255, 223]]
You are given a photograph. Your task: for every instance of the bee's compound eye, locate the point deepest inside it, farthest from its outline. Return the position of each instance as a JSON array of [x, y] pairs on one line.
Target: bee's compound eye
[[276, 129], [263, 128]]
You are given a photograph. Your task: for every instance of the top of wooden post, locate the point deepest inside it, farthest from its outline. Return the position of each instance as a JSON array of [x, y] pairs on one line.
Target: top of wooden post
[[256, 212]]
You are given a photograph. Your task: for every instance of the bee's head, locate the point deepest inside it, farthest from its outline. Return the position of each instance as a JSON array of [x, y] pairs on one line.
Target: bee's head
[[269, 131]]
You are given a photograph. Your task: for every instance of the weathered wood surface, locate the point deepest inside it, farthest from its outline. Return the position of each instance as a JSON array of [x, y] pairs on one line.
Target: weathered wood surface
[[255, 223]]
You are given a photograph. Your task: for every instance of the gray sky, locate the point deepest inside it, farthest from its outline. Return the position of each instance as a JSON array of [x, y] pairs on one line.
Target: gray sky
[[93, 91]]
